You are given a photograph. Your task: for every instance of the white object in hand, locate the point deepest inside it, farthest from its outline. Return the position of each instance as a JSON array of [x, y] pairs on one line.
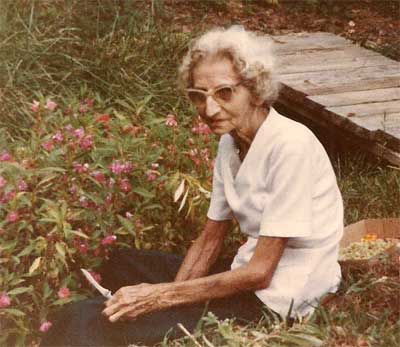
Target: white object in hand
[[105, 292]]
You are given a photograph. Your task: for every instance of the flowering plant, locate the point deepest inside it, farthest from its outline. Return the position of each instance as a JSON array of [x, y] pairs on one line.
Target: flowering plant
[[83, 182]]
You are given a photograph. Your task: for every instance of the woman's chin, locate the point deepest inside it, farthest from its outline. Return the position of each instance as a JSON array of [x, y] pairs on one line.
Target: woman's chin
[[219, 129]]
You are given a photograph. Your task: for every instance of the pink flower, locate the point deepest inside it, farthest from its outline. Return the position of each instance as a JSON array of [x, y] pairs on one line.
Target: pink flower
[[108, 200], [96, 276], [35, 106], [190, 141], [22, 186], [12, 217], [79, 168], [86, 142], [58, 137], [69, 129], [83, 247], [205, 154], [89, 102], [194, 156], [7, 197], [151, 175], [3, 182], [48, 145], [103, 119], [84, 202], [117, 167], [128, 215], [86, 105], [108, 240], [64, 293], [110, 183], [201, 129], [171, 121], [5, 300], [5, 156], [125, 186], [73, 189], [98, 176], [83, 108], [155, 166], [50, 105], [45, 326], [78, 133]]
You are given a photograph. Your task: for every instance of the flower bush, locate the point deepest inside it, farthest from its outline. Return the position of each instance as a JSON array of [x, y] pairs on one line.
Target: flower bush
[[87, 179]]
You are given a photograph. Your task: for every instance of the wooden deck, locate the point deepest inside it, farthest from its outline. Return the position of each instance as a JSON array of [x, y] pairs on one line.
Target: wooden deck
[[350, 92]]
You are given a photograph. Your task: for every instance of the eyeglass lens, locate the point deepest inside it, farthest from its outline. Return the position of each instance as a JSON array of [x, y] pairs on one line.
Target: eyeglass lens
[[222, 94]]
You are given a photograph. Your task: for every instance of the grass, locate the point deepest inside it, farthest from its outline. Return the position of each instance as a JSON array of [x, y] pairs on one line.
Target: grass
[[120, 53], [361, 314]]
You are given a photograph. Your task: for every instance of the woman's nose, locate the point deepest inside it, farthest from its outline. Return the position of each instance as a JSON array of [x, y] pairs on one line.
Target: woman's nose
[[212, 107]]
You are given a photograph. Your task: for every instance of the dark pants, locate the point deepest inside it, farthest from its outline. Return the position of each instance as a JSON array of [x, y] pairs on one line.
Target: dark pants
[[82, 324]]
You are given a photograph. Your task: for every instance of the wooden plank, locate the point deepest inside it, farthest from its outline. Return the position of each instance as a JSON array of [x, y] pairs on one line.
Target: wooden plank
[[287, 65], [374, 108], [330, 82], [341, 52], [390, 122], [325, 78], [387, 82], [362, 73], [341, 131], [307, 41], [358, 97]]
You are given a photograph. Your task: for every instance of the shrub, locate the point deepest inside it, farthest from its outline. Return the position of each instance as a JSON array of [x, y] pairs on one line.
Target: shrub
[[83, 180]]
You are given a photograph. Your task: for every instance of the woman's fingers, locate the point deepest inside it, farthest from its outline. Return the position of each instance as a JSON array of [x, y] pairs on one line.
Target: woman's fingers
[[116, 316], [129, 302], [110, 310]]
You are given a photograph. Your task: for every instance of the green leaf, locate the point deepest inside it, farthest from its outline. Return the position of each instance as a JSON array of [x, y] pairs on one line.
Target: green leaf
[[35, 265], [27, 250], [127, 224], [8, 245], [153, 207], [79, 233], [20, 290], [179, 191], [60, 249], [14, 312], [143, 192], [183, 200]]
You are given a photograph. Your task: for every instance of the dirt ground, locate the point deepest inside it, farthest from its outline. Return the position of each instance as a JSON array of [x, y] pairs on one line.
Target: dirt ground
[[373, 24]]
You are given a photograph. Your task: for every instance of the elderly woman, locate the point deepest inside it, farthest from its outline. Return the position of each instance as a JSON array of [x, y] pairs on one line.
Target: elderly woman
[[271, 175]]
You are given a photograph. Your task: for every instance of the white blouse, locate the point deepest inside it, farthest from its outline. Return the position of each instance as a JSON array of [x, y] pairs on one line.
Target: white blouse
[[285, 187]]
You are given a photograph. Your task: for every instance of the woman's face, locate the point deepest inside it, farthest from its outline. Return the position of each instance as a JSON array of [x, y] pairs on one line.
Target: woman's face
[[222, 116]]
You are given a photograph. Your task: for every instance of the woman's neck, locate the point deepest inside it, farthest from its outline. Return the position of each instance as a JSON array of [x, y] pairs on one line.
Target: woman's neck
[[244, 137]]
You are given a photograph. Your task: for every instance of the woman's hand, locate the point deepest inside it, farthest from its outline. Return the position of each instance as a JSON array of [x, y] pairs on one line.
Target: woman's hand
[[133, 301]]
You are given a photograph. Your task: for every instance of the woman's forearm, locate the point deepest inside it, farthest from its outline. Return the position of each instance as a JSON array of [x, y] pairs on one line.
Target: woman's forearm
[[203, 252], [133, 301], [257, 274], [212, 287]]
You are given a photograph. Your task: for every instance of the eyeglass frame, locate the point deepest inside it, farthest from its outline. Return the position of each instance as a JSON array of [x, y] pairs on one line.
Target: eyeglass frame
[[211, 92]]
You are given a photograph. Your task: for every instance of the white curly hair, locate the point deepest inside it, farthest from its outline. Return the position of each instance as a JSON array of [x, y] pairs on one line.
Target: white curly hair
[[250, 53]]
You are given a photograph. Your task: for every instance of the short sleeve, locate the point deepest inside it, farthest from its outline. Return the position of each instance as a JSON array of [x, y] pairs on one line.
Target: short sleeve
[[219, 208], [287, 212]]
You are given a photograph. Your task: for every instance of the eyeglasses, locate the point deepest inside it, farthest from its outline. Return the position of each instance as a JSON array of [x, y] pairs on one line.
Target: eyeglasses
[[221, 94]]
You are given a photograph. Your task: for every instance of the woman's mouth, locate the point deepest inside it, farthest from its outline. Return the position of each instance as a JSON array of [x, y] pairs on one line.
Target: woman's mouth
[[216, 122]]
